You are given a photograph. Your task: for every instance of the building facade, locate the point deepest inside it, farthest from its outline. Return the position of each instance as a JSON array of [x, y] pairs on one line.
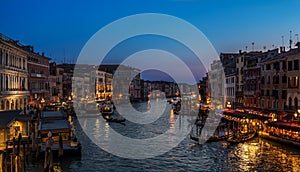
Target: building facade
[[38, 73], [293, 89], [13, 75], [55, 82], [273, 91]]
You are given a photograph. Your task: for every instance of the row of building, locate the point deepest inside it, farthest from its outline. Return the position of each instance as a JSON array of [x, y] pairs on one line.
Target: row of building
[[266, 80], [29, 78]]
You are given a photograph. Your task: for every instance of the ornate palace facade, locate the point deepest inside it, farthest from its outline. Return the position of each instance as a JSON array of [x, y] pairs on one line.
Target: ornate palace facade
[[14, 93]]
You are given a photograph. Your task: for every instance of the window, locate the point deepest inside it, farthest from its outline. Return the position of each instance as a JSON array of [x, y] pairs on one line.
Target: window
[[268, 80], [268, 93], [268, 67], [275, 93], [284, 78], [283, 64], [290, 65], [237, 60], [262, 92], [242, 59], [296, 64], [262, 103], [276, 66], [237, 71], [262, 80], [283, 94], [293, 82]]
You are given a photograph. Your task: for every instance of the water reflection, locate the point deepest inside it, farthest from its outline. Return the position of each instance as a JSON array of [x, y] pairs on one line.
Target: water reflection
[[255, 155]]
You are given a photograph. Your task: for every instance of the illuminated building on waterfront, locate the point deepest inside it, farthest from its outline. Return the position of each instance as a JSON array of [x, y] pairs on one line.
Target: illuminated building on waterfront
[[13, 75]]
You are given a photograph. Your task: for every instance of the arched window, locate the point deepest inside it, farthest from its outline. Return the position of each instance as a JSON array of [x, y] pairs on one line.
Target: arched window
[[290, 102], [284, 78], [263, 80]]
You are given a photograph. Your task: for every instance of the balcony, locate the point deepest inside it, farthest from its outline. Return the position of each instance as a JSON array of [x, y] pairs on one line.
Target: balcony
[[37, 75], [39, 90], [14, 92], [249, 93], [13, 68]]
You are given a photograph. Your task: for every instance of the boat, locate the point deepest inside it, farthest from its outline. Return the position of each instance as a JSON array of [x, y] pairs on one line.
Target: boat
[[107, 109], [241, 138], [213, 138], [62, 133], [116, 120]]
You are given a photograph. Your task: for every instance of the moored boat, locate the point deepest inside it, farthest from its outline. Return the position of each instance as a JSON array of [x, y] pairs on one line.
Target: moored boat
[[241, 138], [62, 133]]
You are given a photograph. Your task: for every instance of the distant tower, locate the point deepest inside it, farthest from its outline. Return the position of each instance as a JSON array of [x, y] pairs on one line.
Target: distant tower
[[291, 39], [297, 37], [265, 47], [252, 46], [246, 48]]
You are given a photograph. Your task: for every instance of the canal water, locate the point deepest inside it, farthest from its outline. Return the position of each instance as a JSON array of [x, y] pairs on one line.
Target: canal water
[[254, 155]]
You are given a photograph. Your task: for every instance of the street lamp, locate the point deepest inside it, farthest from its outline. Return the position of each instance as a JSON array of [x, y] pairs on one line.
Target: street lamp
[[296, 115], [42, 101]]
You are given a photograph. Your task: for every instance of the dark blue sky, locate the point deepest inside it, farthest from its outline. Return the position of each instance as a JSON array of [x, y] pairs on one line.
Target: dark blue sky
[[61, 28]]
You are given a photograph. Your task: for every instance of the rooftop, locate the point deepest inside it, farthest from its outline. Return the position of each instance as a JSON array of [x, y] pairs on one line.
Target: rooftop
[[49, 125], [53, 114], [7, 117]]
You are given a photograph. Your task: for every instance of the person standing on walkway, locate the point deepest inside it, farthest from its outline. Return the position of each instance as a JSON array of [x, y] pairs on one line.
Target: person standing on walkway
[[48, 163]]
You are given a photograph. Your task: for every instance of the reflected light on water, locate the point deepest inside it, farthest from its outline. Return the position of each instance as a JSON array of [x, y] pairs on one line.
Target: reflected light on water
[[172, 119], [106, 130], [97, 124], [248, 154]]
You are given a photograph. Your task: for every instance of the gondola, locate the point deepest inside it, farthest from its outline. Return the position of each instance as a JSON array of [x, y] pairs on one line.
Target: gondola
[[115, 120], [235, 140], [110, 119]]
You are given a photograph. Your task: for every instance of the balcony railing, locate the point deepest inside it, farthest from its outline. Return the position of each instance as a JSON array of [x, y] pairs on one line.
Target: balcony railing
[[37, 75], [39, 90], [14, 92]]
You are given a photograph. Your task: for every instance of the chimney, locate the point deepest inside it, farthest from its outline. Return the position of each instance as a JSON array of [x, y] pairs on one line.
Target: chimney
[[240, 51], [282, 49]]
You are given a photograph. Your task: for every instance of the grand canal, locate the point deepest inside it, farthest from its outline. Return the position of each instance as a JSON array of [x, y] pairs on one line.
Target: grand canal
[[255, 155]]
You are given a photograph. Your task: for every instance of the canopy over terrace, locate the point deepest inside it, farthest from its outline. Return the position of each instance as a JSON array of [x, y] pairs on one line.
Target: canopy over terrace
[[241, 115], [285, 126]]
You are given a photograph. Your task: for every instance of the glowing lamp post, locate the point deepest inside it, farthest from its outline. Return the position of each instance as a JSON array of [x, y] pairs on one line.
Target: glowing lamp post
[[296, 114], [42, 102]]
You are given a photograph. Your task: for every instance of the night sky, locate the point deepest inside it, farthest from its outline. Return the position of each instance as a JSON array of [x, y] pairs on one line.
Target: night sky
[[61, 28]]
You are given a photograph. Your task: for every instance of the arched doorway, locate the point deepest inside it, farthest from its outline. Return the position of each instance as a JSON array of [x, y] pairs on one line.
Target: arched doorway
[[12, 105], [290, 102], [7, 105], [17, 105], [21, 104]]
